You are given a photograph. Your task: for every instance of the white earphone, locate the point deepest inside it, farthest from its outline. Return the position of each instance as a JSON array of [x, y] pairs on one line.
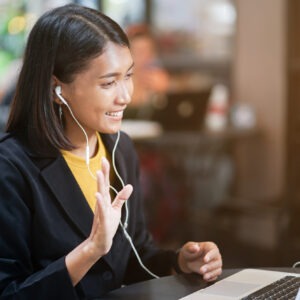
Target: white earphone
[[58, 94], [87, 150]]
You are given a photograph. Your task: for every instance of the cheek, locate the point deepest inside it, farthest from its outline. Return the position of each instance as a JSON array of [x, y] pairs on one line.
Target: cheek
[[92, 100], [130, 87], [98, 97]]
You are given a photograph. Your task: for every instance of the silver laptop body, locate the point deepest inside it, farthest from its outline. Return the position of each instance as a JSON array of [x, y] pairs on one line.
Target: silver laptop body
[[238, 285]]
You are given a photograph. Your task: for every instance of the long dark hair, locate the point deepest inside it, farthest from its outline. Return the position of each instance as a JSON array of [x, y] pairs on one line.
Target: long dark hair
[[61, 43]]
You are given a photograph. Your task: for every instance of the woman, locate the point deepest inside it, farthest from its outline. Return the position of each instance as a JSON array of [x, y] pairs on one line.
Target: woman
[[64, 234]]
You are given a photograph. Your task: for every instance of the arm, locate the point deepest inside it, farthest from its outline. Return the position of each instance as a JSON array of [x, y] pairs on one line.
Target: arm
[[20, 274], [19, 277]]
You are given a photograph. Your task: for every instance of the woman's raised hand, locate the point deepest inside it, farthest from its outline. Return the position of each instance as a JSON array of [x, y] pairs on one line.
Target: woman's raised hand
[[107, 212]]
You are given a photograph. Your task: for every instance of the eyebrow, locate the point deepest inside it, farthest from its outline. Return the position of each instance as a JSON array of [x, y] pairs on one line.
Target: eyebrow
[[115, 73]]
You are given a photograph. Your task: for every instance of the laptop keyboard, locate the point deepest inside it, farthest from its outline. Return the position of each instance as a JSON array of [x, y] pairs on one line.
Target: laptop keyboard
[[285, 288]]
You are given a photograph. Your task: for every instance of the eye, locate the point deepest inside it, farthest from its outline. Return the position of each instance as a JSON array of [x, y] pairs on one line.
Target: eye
[[128, 75], [107, 85]]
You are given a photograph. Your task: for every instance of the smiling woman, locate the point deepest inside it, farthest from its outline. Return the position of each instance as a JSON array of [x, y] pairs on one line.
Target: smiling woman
[[67, 235], [106, 87]]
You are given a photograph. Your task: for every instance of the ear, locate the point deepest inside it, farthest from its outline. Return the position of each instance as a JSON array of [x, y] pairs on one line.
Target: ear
[[55, 83]]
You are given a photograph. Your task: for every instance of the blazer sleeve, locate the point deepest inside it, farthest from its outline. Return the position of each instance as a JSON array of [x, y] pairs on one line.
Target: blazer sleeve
[[19, 279], [158, 261]]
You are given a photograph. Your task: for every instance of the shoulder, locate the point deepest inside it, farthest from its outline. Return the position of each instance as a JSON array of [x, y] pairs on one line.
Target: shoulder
[[15, 152], [13, 146], [8, 143], [12, 153], [126, 146], [4, 136], [125, 139], [122, 145], [121, 141], [12, 160]]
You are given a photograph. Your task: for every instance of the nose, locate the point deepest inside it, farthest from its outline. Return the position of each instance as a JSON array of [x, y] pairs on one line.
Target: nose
[[124, 95]]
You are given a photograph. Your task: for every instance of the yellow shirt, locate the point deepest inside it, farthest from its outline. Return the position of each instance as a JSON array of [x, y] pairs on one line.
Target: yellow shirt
[[84, 177]]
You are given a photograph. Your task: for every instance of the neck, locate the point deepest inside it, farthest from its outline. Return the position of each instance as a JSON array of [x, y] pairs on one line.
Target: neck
[[79, 140]]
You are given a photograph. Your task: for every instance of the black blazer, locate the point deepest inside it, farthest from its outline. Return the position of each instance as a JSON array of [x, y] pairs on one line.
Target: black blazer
[[44, 215]]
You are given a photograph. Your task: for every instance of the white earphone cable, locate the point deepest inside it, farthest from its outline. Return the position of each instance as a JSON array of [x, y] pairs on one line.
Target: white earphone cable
[[87, 160], [87, 149], [136, 253], [296, 264], [124, 226], [119, 176]]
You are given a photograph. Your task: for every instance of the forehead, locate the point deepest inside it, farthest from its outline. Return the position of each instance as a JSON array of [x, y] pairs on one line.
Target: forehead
[[115, 58]]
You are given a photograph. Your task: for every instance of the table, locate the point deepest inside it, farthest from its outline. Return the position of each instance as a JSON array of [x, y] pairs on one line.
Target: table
[[171, 287]]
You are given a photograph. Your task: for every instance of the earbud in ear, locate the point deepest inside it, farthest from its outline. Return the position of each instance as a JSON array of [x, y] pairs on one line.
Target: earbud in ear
[[58, 93], [58, 90]]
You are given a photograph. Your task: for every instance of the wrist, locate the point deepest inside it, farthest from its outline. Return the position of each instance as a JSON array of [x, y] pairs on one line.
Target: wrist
[[92, 250], [175, 263], [80, 260]]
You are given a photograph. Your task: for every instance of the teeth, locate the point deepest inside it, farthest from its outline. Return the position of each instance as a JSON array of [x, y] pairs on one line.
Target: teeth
[[114, 114]]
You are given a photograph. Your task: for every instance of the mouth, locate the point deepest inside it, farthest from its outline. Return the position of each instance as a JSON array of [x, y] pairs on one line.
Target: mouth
[[115, 114]]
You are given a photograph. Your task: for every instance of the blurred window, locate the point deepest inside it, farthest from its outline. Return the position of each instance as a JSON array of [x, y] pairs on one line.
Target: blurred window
[[125, 12], [203, 27]]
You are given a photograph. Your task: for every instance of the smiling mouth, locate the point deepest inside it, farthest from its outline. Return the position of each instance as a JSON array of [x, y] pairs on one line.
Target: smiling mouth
[[116, 114]]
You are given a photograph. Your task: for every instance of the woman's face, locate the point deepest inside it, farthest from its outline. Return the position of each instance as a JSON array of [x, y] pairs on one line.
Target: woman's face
[[99, 94]]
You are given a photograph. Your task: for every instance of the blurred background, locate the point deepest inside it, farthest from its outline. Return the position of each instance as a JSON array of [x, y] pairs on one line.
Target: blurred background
[[215, 117]]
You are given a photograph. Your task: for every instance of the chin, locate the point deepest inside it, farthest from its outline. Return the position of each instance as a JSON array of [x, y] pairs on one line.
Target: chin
[[111, 130]]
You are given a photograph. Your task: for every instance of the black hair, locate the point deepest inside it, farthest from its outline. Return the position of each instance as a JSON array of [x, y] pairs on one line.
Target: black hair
[[61, 44]]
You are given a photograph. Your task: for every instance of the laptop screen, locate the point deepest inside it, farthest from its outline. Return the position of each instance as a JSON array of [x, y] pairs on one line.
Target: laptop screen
[[182, 111]]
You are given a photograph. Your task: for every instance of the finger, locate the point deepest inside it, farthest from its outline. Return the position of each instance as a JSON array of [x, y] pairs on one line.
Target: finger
[[212, 254], [211, 266], [208, 250], [192, 247], [212, 279], [122, 196], [98, 214], [100, 182], [102, 189], [191, 250], [105, 169], [96, 211], [101, 205], [213, 275]]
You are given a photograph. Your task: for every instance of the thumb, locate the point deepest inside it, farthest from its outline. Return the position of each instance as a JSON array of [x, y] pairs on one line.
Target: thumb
[[122, 196], [191, 250]]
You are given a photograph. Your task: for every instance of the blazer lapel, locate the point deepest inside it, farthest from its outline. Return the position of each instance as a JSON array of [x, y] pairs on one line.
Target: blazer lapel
[[66, 190], [109, 142]]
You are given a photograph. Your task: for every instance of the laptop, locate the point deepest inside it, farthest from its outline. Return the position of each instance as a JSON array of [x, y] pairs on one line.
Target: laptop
[[181, 111], [243, 283]]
